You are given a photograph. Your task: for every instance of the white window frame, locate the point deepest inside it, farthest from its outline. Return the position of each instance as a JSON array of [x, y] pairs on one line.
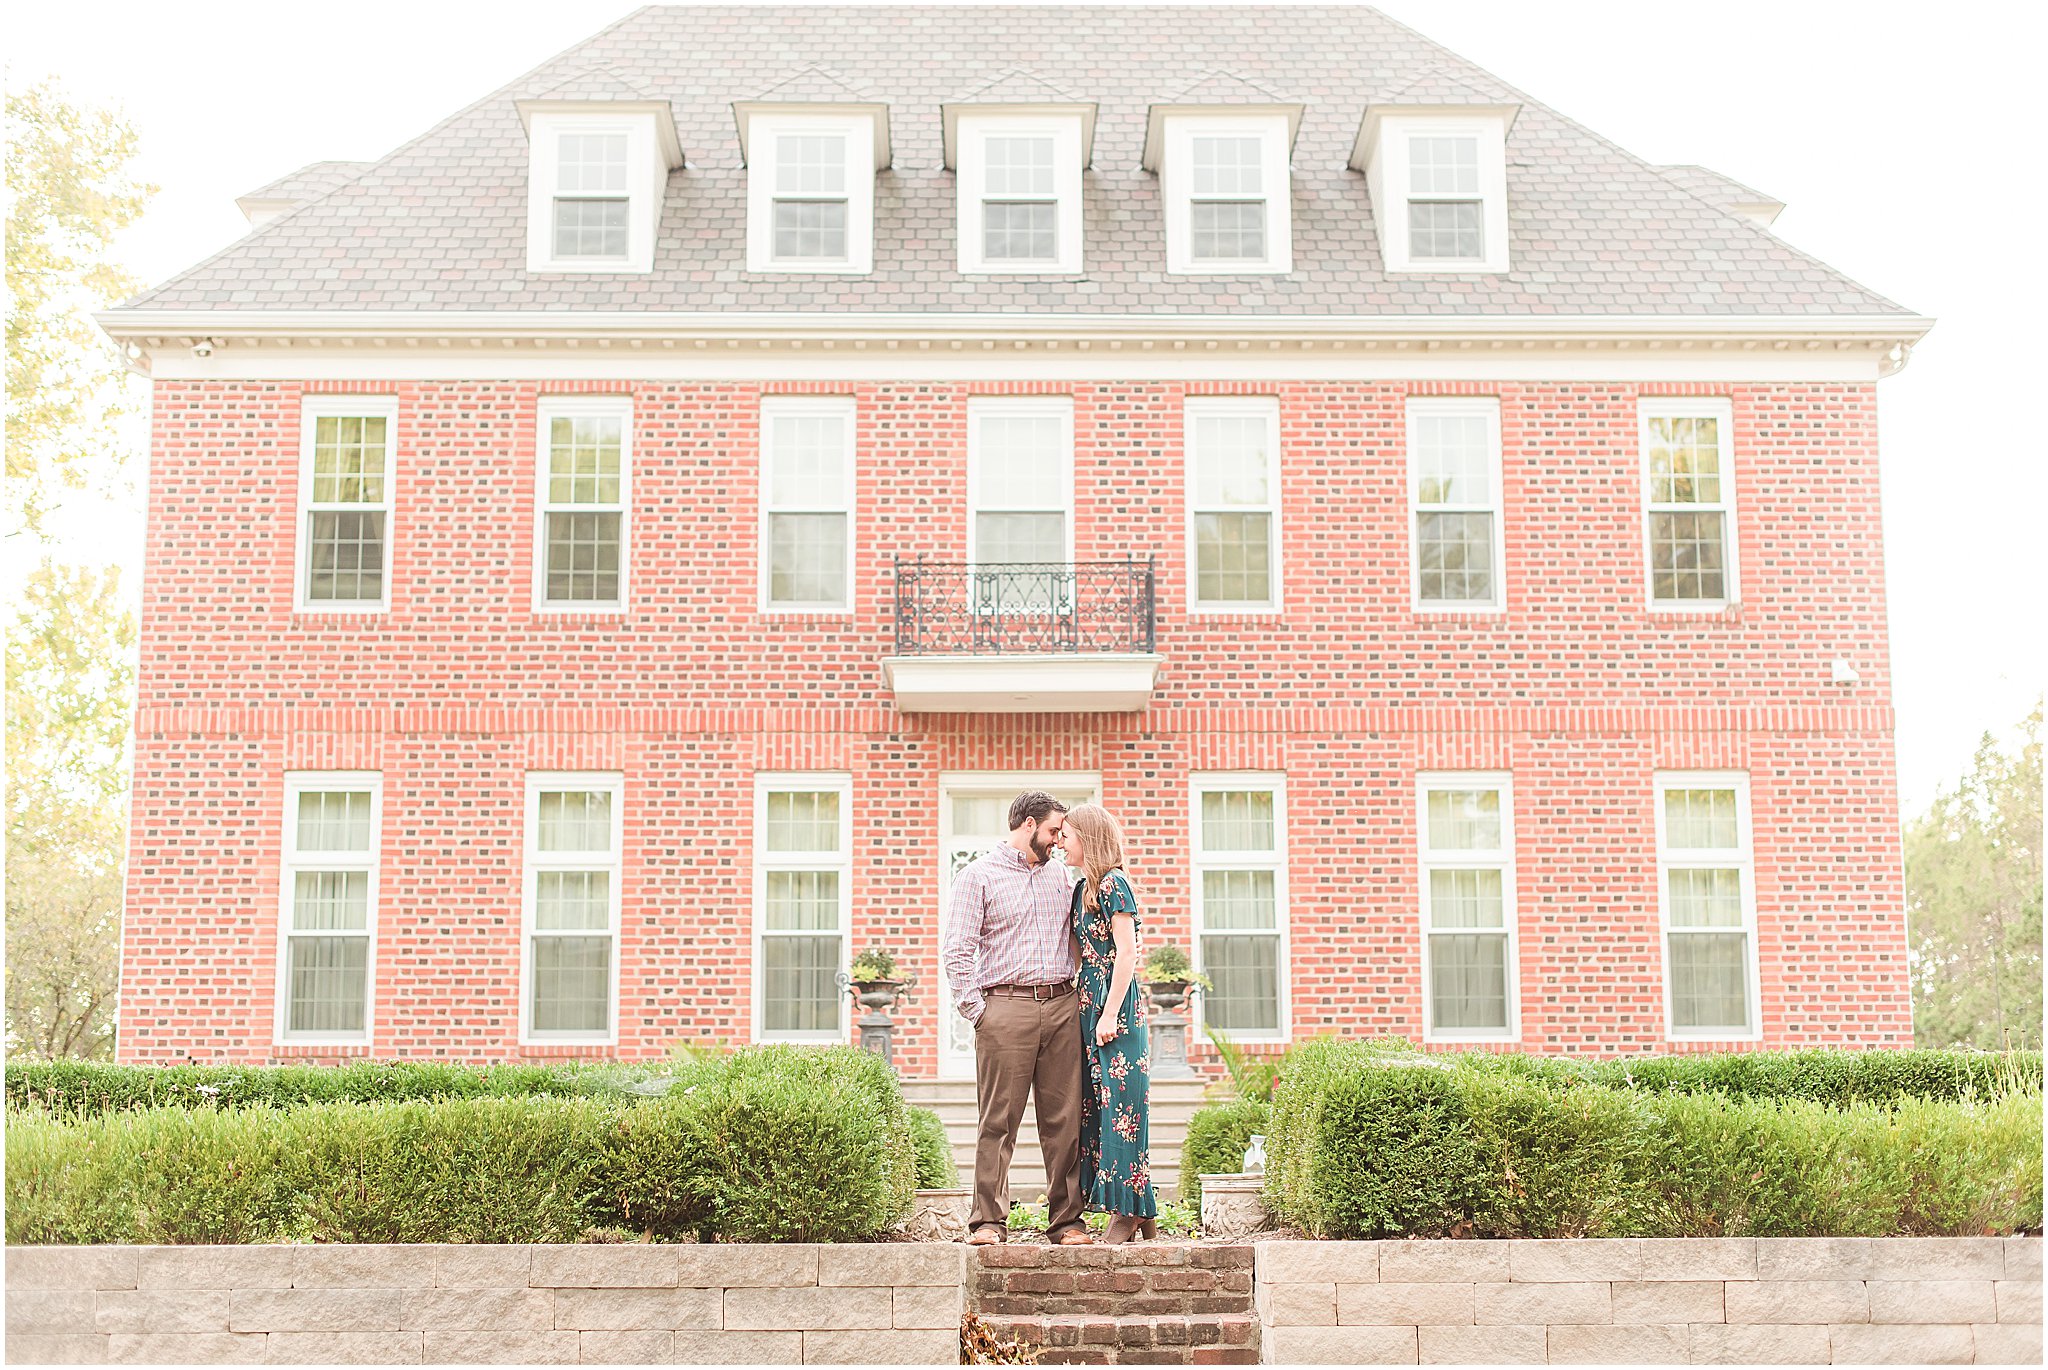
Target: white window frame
[[765, 783], [1390, 184], [980, 407], [291, 861], [974, 131], [774, 408], [764, 134], [1502, 860], [1203, 860], [1267, 409], [1743, 859], [313, 408], [646, 180], [548, 409], [534, 861], [1486, 407], [1715, 407], [1176, 183]]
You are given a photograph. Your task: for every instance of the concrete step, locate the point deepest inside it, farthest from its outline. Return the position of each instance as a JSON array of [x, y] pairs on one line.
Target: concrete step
[[1172, 1102]]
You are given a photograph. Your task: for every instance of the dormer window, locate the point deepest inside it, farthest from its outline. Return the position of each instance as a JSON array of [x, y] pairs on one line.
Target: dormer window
[[810, 190], [810, 198], [1438, 180], [1225, 183], [1446, 207], [1020, 193], [591, 197], [596, 175]]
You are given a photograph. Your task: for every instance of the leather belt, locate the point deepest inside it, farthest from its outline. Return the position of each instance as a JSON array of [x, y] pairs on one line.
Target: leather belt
[[1038, 992]]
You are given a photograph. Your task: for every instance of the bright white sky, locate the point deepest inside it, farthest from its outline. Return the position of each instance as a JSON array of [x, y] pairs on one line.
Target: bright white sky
[[1899, 136]]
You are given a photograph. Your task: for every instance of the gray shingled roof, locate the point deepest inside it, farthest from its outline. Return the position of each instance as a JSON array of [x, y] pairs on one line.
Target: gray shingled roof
[[440, 223], [1716, 189], [310, 182]]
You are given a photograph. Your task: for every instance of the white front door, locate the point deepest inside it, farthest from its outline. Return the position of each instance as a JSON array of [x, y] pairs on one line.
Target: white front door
[[974, 811]]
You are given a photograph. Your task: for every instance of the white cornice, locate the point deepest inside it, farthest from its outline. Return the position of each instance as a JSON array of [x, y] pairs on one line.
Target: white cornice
[[663, 115]]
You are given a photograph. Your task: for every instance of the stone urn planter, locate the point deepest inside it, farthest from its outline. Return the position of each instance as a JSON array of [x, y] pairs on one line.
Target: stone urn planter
[[1231, 1206], [1167, 995], [878, 994], [939, 1215]]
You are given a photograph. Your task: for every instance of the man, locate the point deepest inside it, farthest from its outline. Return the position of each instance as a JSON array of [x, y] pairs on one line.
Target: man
[[1010, 964]]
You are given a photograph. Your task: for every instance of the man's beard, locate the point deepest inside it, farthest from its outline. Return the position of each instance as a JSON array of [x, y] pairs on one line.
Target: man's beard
[[1041, 847]]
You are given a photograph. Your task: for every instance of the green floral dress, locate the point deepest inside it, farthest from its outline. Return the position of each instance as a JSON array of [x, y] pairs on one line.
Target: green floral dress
[[1116, 1161]]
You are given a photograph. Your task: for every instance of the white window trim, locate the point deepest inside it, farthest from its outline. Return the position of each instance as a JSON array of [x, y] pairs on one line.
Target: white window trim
[[1176, 181], [533, 861], [764, 135], [1743, 859], [974, 130], [1488, 408], [549, 408], [1503, 860], [646, 181], [980, 407], [297, 783], [837, 782], [1696, 407], [312, 409], [774, 407], [1265, 408], [1389, 186], [1201, 860]]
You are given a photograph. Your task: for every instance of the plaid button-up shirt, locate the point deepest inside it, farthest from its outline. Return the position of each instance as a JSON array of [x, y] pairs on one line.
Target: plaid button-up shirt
[[1007, 923]]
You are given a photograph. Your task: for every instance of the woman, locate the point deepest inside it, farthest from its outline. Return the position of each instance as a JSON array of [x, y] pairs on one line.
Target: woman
[[1115, 1124]]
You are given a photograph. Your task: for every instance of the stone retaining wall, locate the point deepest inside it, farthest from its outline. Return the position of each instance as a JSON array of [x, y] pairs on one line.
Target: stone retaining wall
[[897, 1303], [1685, 1300]]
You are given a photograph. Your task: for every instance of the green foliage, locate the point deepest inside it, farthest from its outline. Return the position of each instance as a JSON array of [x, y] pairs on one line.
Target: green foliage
[[1250, 1076], [1216, 1140], [873, 964], [1973, 901], [1168, 964], [935, 1167], [1823, 1076], [83, 1087], [1551, 1159]]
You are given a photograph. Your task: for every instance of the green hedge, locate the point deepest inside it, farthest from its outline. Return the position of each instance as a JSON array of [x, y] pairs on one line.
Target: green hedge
[[87, 1087], [935, 1167], [1215, 1144], [1371, 1142], [1821, 1075], [768, 1144]]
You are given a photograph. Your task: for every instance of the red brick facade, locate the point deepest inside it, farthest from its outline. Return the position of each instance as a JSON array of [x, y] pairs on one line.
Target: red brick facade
[[1577, 690]]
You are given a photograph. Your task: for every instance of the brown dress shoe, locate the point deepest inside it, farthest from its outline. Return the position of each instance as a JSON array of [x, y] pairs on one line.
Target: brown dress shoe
[[985, 1236], [1076, 1236]]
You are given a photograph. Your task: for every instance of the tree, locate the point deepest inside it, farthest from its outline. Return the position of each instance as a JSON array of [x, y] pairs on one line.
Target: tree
[[69, 192], [1973, 901]]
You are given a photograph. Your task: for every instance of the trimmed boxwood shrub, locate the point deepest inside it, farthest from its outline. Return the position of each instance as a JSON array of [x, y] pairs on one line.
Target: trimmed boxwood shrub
[[92, 1087], [1830, 1077], [1215, 1144], [935, 1167]]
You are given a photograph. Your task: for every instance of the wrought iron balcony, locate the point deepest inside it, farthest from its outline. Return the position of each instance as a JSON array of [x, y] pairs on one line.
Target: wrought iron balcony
[[1024, 636]]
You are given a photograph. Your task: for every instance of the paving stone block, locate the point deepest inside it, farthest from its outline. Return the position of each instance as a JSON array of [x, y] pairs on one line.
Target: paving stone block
[[72, 1267], [760, 1265], [1879, 1258], [57, 1348], [187, 1348], [1666, 1301], [1298, 1305], [1481, 1345], [483, 1267], [928, 1306], [2017, 1301], [1188, 1281], [2003, 1343], [882, 1348], [1576, 1260], [1861, 1343], [1339, 1346], [1145, 1255], [1288, 1262], [1537, 1303], [2022, 1260], [50, 1310], [1952, 1301], [912, 1263], [1005, 1257], [318, 1310], [1223, 1257], [1699, 1258], [168, 1310], [1224, 1355], [366, 1266], [739, 1348], [810, 1309], [478, 1310], [345, 1348], [604, 1266], [1791, 1301], [1439, 1302], [647, 1346], [634, 1310], [1424, 1262], [489, 1348], [215, 1267], [1715, 1343], [1639, 1344]]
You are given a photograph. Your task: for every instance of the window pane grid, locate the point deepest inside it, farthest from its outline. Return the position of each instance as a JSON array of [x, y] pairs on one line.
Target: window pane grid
[[1231, 459], [590, 227], [1446, 230], [1227, 230], [1019, 231], [810, 230], [1688, 511], [802, 920], [810, 164], [1238, 879], [1466, 888], [329, 865], [1704, 859], [573, 852], [327, 984]]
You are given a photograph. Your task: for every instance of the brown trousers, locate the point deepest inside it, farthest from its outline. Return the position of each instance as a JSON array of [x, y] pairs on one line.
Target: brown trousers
[[1028, 1046]]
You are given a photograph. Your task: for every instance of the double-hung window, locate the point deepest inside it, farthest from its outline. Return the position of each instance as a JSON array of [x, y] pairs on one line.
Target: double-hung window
[[1689, 499], [1454, 490], [1439, 187], [807, 503], [810, 193], [1020, 456], [1468, 906], [329, 920], [597, 173], [347, 445], [1226, 182], [592, 196], [803, 846], [585, 487], [1020, 193], [573, 864], [1240, 904], [1233, 451], [1446, 202], [1706, 887]]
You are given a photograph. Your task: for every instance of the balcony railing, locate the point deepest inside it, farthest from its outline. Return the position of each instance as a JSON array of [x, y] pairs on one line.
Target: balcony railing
[[965, 608]]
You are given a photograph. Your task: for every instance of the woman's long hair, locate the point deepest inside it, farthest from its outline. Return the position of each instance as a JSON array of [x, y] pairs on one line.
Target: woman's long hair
[[1098, 839]]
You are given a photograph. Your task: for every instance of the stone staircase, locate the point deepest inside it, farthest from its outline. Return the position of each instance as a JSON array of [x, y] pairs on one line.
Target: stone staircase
[[1145, 1303], [1173, 1103]]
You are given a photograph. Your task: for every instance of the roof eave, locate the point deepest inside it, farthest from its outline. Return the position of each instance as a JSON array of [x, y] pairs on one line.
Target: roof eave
[[1367, 140], [1157, 115], [663, 112], [743, 112], [950, 112]]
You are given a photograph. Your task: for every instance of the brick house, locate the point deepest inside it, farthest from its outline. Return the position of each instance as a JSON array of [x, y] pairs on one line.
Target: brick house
[[613, 558]]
